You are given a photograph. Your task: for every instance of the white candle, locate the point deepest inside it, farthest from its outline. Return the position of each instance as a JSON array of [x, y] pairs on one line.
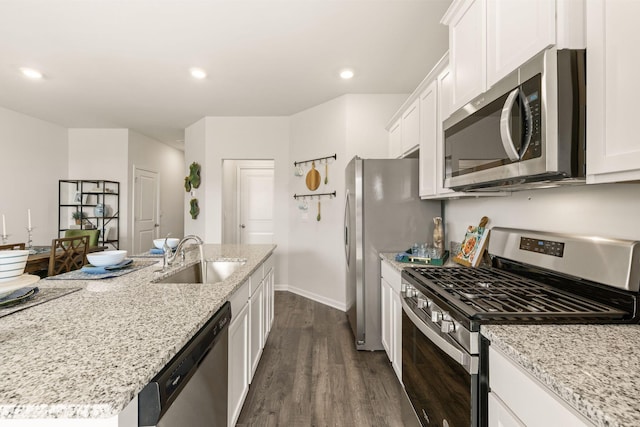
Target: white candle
[[29, 218], [4, 226]]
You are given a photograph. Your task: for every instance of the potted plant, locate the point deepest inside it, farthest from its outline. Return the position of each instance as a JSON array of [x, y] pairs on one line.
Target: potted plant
[[78, 216]]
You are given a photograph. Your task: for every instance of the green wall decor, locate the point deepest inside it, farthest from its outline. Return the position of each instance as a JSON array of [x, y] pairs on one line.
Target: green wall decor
[[195, 209], [193, 180], [194, 174]]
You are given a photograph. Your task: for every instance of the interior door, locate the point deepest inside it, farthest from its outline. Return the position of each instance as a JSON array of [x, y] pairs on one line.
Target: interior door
[[145, 213], [255, 187]]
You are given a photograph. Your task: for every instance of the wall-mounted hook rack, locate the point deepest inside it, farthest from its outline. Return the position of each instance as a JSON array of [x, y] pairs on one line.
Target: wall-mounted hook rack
[[297, 196], [335, 157]]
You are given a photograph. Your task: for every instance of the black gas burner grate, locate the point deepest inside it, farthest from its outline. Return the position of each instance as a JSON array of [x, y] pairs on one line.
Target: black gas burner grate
[[490, 293]]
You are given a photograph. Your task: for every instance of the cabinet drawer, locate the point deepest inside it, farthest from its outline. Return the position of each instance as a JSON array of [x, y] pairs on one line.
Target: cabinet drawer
[[529, 400], [239, 299], [391, 275], [268, 265]]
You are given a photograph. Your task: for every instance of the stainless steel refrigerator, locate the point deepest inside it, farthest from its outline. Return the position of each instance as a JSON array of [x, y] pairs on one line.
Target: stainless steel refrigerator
[[383, 213]]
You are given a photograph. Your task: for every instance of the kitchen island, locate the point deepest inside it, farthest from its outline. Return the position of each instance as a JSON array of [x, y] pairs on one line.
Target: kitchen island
[[85, 356]]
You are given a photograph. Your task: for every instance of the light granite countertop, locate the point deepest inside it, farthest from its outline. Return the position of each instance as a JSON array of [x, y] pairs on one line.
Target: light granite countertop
[[89, 353], [594, 368]]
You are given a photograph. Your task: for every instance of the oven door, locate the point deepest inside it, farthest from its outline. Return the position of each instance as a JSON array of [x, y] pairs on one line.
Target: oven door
[[440, 378]]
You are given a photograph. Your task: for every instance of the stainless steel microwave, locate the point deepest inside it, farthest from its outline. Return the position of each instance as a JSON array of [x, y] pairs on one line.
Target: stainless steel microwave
[[526, 131]]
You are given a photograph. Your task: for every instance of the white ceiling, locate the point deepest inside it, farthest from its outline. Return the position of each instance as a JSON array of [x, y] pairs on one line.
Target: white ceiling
[[125, 63]]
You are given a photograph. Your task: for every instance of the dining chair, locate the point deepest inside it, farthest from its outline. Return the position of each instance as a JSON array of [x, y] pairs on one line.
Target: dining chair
[[68, 254], [12, 246], [93, 235]]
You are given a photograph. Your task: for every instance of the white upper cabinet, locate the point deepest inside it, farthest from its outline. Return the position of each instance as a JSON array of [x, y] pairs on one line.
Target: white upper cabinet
[[428, 140], [517, 31], [395, 139], [404, 132], [411, 128], [613, 58], [488, 39], [467, 49]]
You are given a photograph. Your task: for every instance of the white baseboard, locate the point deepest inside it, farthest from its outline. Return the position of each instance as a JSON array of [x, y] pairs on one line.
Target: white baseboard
[[315, 297]]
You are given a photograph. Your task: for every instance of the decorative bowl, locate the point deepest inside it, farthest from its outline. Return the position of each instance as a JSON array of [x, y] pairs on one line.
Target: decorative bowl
[[103, 259], [12, 264], [171, 241]]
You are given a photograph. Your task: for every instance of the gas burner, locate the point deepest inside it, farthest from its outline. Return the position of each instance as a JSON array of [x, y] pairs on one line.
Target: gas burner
[[484, 284]]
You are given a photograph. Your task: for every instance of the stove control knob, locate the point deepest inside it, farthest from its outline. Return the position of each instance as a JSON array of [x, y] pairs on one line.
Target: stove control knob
[[422, 302], [447, 326], [436, 316]]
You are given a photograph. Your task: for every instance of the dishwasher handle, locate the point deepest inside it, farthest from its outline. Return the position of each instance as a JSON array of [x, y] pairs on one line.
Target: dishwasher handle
[[158, 395]]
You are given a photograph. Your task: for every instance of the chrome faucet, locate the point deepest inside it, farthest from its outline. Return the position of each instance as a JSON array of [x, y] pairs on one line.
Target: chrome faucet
[[170, 258]]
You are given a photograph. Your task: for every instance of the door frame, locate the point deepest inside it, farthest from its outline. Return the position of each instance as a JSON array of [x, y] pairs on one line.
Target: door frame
[[132, 228]]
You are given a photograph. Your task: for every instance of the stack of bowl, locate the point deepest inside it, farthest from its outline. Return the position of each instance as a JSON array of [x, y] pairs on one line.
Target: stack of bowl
[[12, 264]]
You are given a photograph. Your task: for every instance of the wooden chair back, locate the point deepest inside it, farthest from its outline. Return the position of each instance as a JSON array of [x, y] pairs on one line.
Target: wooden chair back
[[68, 254], [12, 246]]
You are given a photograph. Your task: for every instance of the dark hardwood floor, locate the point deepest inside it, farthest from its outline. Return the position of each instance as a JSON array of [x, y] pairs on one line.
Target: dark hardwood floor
[[311, 374]]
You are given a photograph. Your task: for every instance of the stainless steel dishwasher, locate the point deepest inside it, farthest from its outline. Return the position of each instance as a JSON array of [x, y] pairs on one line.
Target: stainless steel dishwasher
[[192, 389]]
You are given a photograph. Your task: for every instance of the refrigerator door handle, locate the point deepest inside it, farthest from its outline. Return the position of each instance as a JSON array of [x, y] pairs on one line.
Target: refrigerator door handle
[[347, 235]]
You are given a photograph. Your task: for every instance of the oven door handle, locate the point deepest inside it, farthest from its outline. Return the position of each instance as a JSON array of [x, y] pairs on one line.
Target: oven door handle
[[459, 356]]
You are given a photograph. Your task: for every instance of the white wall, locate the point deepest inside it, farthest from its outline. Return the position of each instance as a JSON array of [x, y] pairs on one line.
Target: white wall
[[605, 210], [262, 138], [195, 151], [349, 125], [367, 117], [33, 157], [168, 162], [102, 154]]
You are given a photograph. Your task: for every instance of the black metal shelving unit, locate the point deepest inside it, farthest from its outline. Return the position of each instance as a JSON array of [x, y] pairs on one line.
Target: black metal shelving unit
[[84, 195]]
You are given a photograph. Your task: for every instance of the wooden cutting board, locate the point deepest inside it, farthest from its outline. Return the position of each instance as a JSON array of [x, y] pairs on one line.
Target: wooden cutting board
[[473, 245], [313, 178]]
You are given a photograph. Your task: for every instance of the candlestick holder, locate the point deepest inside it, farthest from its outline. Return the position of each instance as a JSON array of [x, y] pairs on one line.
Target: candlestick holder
[[30, 239], [5, 238]]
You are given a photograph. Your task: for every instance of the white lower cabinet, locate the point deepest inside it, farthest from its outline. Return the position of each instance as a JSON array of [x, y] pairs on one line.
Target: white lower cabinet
[[391, 313], [256, 329], [518, 399], [251, 319], [238, 363]]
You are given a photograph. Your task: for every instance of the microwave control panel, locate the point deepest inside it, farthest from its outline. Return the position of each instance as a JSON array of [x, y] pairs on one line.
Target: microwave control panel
[[545, 247]]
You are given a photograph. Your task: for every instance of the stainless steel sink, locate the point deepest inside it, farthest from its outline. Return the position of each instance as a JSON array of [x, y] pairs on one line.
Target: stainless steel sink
[[216, 271]]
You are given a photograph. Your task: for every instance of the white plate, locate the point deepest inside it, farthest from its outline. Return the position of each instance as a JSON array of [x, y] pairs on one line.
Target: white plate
[[17, 283]]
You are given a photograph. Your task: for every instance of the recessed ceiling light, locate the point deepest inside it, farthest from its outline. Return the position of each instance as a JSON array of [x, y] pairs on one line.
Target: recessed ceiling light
[[31, 73], [198, 73], [346, 74]]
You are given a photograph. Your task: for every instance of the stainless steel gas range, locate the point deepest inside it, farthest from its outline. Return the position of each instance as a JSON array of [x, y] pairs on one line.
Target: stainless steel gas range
[[535, 277]]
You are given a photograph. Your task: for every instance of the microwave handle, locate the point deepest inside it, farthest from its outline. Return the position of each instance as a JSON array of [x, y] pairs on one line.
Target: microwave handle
[[505, 126]]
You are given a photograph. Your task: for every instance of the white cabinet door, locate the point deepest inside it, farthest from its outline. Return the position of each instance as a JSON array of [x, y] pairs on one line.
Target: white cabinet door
[[445, 109], [238, 363], [500, 415], [428, 140], [385, 304], [613, 59], [467, 50], [411, 128], [396, 334], [256, 329], [516, 32], [268, 303], [395, 140]]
